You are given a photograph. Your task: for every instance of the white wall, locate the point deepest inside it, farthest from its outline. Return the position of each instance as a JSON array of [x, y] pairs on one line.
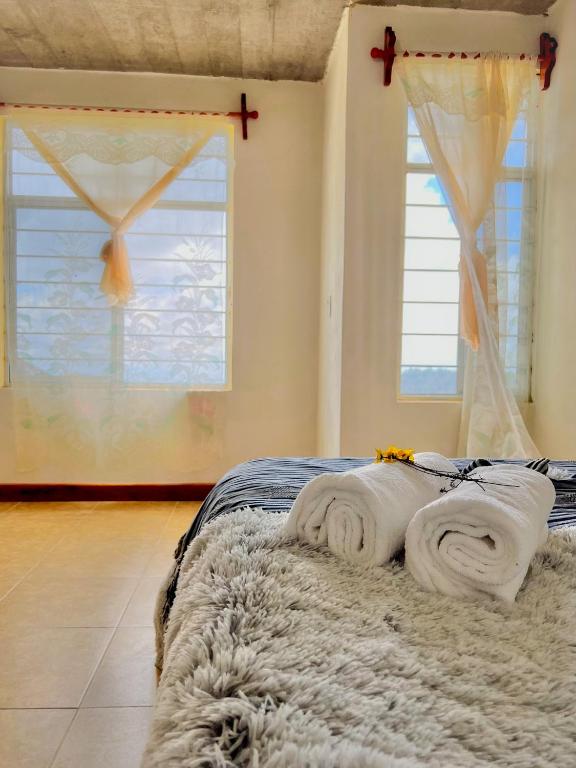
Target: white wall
[[372, 414], [333, 237], [271, 409], [322, 375], [555, 350]]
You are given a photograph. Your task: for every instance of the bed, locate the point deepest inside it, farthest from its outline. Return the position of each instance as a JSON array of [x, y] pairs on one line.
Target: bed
[[276, 654]]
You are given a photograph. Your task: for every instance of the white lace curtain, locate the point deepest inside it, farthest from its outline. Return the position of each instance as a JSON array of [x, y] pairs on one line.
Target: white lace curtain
[[465, 110], [88, 421], [118, 165]]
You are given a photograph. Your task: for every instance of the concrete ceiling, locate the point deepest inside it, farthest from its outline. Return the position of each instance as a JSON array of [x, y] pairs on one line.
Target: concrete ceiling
[[267, 39]]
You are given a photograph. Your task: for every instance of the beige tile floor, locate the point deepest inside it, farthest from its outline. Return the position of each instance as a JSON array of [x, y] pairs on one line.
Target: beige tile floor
[[78, 583]]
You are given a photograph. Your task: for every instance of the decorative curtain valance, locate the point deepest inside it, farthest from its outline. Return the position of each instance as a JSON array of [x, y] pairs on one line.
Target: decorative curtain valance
[[489, 86], [466, 110], [119, 165]]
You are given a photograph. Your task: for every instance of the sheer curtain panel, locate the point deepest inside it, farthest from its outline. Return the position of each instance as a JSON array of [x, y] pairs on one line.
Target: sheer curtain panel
[[119, 165], [118, 260], [465, 110]]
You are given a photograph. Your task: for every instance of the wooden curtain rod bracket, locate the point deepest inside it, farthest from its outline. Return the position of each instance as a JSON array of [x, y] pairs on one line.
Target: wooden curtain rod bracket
[[547, 59], [387, 54], [245, 114]]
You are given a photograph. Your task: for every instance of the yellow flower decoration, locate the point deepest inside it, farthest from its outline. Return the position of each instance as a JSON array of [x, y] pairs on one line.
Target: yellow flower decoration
[[392, 453]]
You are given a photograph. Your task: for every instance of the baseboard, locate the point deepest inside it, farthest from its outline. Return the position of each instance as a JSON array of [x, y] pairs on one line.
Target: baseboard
[[62, 492]]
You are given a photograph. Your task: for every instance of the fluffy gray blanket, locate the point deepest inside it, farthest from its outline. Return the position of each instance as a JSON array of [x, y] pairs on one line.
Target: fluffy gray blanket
[[278, 655]]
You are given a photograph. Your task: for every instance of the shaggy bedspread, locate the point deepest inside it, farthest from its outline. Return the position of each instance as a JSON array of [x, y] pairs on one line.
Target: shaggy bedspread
[[279, 655]]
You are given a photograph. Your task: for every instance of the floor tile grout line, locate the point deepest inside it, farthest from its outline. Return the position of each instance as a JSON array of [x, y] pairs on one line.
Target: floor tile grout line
[[63, 739], [101, 658], [118, 623], [73, 720], [59, 540], [33, 568], [113, 631], [76, 709], [155, 546], [31, 709]]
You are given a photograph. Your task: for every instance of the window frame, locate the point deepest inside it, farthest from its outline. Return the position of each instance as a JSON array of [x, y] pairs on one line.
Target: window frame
[[14, 202], [527, 176], [427, 169]]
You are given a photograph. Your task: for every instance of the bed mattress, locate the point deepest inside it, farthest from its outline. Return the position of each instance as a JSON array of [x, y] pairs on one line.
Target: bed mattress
[[280, 655], [272, 484]]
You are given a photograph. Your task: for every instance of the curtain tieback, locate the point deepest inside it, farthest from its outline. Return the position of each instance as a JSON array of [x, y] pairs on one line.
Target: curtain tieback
[[116, 281], [112, 246], [473, 270]]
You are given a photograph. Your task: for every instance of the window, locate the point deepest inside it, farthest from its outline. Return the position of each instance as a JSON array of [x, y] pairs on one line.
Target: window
[[433, 356], [175, 332]]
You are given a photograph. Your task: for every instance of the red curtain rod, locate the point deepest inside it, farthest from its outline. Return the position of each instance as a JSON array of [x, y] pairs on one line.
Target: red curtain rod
[[546, 59], [244, 114], [464, 55]]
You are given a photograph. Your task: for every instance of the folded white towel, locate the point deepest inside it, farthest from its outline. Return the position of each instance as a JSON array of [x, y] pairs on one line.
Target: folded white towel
[[480, 540], [362, 515]]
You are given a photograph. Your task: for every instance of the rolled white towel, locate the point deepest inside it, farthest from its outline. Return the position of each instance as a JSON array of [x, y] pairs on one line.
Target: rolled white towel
[[479, 540], [362, 515]]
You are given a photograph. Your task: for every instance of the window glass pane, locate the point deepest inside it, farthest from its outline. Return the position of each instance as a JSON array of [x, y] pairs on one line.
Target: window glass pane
[[509, 194], [151, 323], [180, 222], [431, 254], [166, 348], [59, 220], [173, 332], [53, 270], [431, 260], [429, 350], [508, 255], [413, 129], [416, 151], [40, 186], [514, 321], [56, 346], [217, 146], [63, 367], [508, 224], [23, 163], [58, 296], [515, 156], [430, 318], [175, 374], [431, 286], [509, 288], [514, 352], [56, 319], [182, 299], [508, 346], [428, 381], [187, 190], [520, 127], [74, 245], [424, 189], [209, 168], [177, 247], [178, 273], [424, 221]]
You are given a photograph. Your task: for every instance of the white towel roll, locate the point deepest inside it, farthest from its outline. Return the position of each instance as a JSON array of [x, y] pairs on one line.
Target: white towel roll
[[479, 540], [362, 515]]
